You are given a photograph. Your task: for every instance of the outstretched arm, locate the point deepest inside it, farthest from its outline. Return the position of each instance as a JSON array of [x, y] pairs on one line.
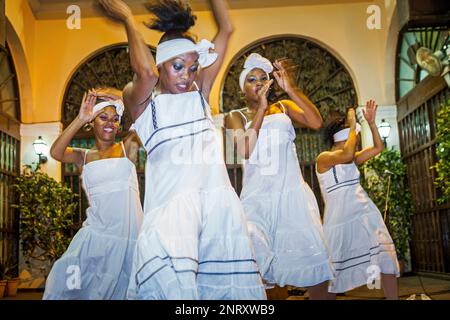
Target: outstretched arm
[[60, 149], [208, 75], [369, 153], [327, 160], [300, 109], [137, 92]]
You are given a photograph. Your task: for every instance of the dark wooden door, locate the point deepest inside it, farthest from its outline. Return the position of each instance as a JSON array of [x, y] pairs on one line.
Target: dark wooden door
[[431, 222]]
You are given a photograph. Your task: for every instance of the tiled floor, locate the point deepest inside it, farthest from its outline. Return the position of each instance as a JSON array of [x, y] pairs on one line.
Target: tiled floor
[[436, 289]]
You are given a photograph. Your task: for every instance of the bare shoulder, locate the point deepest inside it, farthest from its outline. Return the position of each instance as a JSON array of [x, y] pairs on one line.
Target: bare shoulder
[[324, 161], [131, 139], [234, 120]]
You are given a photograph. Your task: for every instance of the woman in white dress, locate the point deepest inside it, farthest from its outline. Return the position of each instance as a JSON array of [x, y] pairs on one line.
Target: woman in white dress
[[194, 242], [361, 248], [281, 209], [98, 261]]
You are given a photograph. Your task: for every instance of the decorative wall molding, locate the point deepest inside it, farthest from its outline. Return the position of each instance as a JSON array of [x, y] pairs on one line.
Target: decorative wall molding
[[50, 9]]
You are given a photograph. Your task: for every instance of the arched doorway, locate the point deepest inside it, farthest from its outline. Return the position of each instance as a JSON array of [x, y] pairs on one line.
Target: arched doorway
[[9, 156], [110, 67], [322, 77]]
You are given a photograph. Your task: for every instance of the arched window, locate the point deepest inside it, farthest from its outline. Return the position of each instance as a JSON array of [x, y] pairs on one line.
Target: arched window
[[409, 74]]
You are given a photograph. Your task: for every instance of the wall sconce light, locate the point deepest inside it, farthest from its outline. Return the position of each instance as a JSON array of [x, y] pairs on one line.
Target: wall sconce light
[[40, 147], [385, 130]]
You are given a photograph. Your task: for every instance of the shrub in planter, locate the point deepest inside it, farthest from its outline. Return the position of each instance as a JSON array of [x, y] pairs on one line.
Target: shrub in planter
[[3, 284], [8, 274], [375, 182], [47, 208]]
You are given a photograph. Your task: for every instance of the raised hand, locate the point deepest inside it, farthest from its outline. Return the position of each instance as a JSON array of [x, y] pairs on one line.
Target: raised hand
[[351, 118], [282, 75], [370, 112], [86, 113], [116, 9], [263, 93]]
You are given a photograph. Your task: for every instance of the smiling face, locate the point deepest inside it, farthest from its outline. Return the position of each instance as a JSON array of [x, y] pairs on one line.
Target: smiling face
[[106, 124], [178, 74], [254, 81]]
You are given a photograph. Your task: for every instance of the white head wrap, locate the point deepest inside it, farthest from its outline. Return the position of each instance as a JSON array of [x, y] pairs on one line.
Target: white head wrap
[[254, 61], [118, 104], [172, 48], [344, 133]]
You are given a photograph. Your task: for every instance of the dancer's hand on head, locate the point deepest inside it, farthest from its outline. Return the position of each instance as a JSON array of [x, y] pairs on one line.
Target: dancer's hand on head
[[86, 113], [116, 9], [263, 93], [370, 112], [351, 118], [282, 75]]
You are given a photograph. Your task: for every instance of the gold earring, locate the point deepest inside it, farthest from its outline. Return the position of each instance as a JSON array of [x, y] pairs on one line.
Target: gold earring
[[87, 127]]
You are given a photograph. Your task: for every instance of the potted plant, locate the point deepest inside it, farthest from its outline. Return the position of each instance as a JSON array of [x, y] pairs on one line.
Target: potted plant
[[3, 281], [47, 208], [11, 277], [385, 175]]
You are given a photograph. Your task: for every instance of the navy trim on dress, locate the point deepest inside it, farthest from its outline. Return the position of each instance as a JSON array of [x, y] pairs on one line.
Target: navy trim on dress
[[355, 265], [172, 126], [344, 185], [335, 185], [175, 138], [228, 273], [139, 284], [227, 261], [335, 175], [155, 123]]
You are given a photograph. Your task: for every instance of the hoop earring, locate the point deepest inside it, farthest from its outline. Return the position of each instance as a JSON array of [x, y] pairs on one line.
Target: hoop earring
[[87, 127]]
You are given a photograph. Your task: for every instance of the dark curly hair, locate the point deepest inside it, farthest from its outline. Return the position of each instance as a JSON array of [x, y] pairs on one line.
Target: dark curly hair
[[331, 127], [173, 17]]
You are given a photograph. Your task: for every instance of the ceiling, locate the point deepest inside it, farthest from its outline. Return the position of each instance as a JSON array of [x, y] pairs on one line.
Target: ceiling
[[56, 9]]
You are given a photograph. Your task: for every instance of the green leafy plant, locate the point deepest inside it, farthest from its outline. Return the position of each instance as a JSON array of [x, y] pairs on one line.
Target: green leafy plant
[[375, 182], [443, 152], [46, 211], [8, 269]]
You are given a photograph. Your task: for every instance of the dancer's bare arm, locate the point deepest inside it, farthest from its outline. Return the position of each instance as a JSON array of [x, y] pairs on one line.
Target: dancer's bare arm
[[370, 152], [60, 149], [136, 93], [132, 144], [300, 109], [208, 75], [327, 160]]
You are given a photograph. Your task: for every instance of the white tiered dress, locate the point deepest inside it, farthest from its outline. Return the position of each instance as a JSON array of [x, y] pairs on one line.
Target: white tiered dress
[[97, 264], [194, 242], [354, 229], [282, 211]]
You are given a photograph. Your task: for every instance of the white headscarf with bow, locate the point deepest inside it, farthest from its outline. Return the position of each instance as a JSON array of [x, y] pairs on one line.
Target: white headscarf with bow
[[172, 48], [343, 134], [254, 61]]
